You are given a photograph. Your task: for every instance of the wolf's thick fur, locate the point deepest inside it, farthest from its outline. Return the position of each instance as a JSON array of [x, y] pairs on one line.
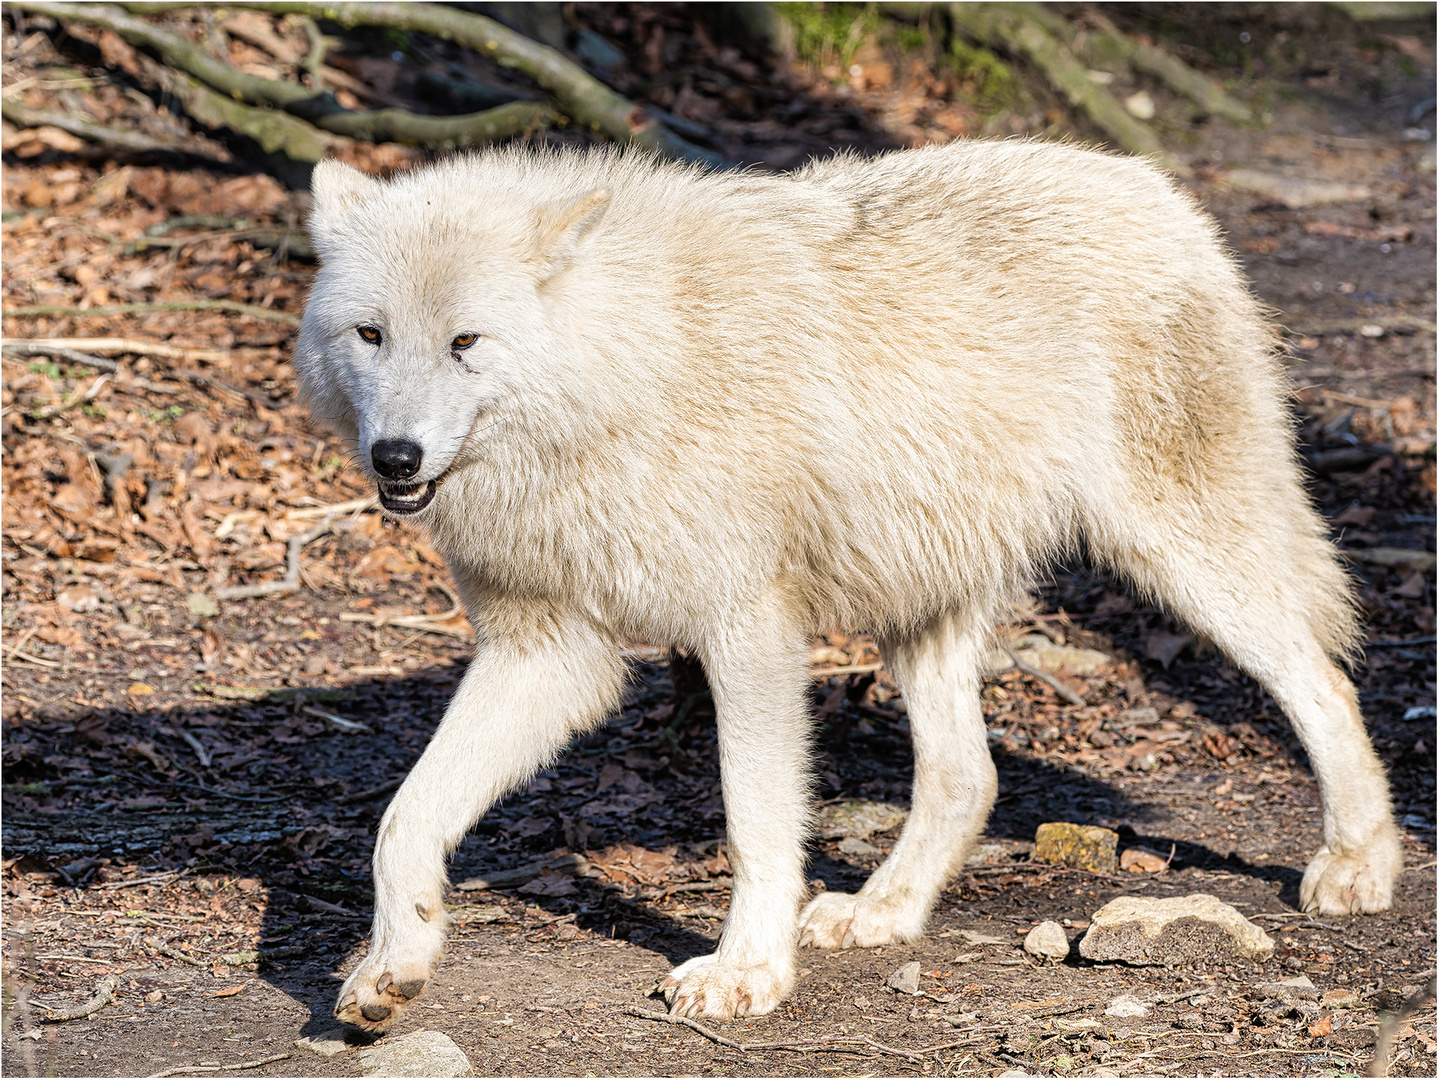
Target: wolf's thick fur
[[726, 411]]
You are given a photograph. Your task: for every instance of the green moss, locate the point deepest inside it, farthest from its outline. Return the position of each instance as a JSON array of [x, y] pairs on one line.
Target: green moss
[[911, 37], [829, 33], [991, 77]]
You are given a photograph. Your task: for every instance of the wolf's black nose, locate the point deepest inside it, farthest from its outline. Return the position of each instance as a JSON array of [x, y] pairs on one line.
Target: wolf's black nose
[[396, 459]]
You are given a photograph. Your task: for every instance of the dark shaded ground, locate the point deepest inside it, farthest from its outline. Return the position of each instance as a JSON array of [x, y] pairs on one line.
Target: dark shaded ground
[[128, 755]]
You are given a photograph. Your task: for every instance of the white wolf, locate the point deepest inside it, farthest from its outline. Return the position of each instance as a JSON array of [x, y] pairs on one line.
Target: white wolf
[[630, 399]]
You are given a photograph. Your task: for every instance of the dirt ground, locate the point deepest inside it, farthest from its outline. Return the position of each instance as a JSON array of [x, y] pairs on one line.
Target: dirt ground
[[192, 783]]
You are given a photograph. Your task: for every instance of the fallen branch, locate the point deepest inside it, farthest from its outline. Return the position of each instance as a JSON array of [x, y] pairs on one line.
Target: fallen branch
[[103, 994], [89, 395], [168, 305], [59, 347], [582, 97], [275, 131], [132, 346], [828, 1042], [1108, 43], [177, 1069], [291, 581], [115, 138], [174, 953], [1064, 692], [1021, 32], [1382, 324]]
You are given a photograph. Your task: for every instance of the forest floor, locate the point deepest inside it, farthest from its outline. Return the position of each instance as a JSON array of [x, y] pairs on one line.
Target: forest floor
[[192, 785]]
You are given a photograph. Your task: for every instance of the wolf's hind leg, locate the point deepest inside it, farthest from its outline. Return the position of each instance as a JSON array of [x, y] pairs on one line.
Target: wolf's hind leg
[[954, 789], [515, 709], [1266, 601]]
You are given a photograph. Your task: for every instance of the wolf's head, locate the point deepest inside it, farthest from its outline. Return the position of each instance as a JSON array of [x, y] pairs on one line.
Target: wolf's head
[[433, 314]]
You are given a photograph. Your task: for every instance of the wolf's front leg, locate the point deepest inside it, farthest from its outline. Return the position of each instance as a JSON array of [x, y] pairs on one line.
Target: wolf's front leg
[[516, 708], [760, 678]]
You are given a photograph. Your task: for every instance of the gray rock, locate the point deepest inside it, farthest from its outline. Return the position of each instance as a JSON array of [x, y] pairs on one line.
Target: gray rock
[[421, 1053], [1176, 930], [1047, 941], [853, 845], [1127, 1006], [326, 1044], [1289, 991], [859, 818], [906, 979]]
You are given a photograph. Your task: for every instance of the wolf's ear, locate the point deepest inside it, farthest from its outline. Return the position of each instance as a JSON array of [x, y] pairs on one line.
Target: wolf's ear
[[561, 226], [334, 188]]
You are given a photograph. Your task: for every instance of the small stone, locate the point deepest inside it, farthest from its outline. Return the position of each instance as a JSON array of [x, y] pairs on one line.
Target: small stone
[[1140, 861], [1140, 106], [906, 979], [1175, 930], [853, 845], [423, 1053], [80, 599], [986, 853], [1289, 991], [1084, 847], [155, 995], [1126, 1006], [141, 689], [326, 1044], [1339, 999], [1047, 941], [859, 818], [201, 606]]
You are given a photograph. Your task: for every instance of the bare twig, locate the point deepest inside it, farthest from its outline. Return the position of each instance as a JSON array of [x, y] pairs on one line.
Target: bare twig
[[829, 1042], [62, 349], [170, 305], [174, 953], [370, 793], [103, 993], [1045, 677], [291, 581], [133, 346], [80, 399], [168, 876], [177, 1069], [846, 669], [309, 513], [115, 138]]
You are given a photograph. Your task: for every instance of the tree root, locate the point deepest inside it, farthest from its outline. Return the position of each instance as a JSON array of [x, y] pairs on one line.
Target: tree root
[[580, 96], [103, 993], [1022, 32]]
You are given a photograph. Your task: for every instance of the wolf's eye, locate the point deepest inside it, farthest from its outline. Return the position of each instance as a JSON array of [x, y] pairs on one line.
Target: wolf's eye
[[464, 341], [370, 334]]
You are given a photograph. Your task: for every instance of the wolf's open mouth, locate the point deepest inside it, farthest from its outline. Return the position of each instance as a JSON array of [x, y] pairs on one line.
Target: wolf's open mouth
[[404, 499]]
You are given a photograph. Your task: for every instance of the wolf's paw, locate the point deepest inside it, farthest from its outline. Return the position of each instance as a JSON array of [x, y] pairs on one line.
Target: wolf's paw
[[704, 986], [373, 998], [835, 920], [1357, 884]]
